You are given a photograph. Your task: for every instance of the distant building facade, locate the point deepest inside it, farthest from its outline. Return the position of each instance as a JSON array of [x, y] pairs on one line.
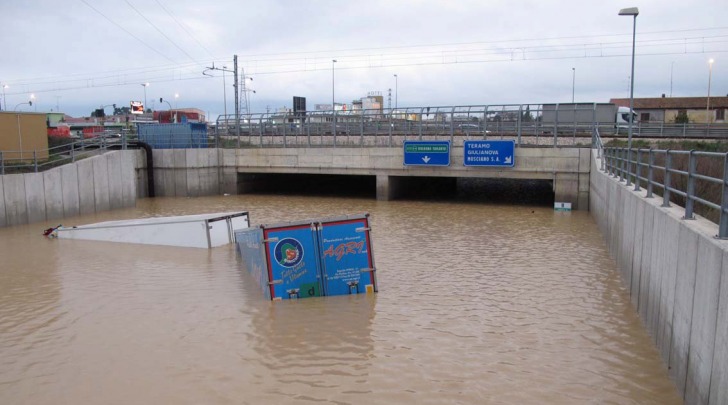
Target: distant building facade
[[667, 109]]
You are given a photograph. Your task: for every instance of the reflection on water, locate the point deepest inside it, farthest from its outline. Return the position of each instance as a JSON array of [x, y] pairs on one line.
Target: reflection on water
[[478, 304]]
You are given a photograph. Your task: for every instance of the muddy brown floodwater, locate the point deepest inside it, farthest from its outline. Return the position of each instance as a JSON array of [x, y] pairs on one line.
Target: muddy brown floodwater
[[478, 304]]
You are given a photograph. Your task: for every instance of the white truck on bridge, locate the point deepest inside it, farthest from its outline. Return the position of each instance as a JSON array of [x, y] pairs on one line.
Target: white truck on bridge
[[570, 116]]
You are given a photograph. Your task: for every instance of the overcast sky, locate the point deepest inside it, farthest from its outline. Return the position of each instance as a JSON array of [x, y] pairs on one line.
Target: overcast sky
[[78, 55]]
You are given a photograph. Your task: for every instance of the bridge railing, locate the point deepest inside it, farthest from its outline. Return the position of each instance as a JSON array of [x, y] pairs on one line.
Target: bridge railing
[[539, 124], [391, 127], [694, 180], [34, 161]]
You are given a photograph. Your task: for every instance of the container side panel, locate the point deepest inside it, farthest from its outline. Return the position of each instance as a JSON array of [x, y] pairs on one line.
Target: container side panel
[[346, 258], [292, 262], [252, 253]]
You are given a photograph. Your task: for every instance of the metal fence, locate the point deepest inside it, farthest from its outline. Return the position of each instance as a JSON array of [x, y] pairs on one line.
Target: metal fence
[[695, 180], [541, 124], [13, 161]]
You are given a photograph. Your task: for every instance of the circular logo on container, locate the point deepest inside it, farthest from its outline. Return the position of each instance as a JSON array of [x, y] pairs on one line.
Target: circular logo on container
[[288, 252]]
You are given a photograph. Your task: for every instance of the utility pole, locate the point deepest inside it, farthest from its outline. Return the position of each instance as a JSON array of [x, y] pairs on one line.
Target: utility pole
[[244, 92], [237, 110], [237, 99]]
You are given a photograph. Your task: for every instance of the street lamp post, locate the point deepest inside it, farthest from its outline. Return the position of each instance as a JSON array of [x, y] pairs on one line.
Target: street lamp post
[[224, 96], [5, 100], [573, 83], [634, 12], [710, 76], [396, 91], [333, 98], [145, 85]]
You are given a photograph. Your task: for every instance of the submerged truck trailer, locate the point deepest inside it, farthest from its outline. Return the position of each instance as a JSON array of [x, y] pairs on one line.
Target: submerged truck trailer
[[311, 258]]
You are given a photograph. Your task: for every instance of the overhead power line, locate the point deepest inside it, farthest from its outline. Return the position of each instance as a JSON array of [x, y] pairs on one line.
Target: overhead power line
[[390, 64], [158, 30], [184, 28], [127, 31], [288, 63]]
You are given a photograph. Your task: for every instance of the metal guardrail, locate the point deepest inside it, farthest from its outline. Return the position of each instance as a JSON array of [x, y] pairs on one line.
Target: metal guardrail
[[12, 161], [551, 121], [698, 178]]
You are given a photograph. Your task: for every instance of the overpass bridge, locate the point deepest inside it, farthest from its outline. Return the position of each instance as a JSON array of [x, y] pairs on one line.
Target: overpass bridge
[[566, 168]]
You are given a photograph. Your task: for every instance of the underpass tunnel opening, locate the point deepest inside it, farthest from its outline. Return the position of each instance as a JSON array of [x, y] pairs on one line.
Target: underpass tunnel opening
[[331, 185], [477, 190]]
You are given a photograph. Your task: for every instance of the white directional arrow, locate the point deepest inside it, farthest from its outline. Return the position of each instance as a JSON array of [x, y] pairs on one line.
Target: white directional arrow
[[508, 160], [426, 159]]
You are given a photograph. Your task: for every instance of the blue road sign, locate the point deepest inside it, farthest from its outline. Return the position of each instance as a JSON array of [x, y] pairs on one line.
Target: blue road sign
[[489, 153], [427, 153]]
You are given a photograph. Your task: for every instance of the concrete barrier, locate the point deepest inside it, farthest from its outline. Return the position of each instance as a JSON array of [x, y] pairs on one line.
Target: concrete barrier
[[675, 272], [194, 172], [95, 184]]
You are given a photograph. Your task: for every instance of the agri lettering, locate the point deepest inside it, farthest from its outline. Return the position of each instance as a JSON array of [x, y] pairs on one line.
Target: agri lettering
[[343, 249]]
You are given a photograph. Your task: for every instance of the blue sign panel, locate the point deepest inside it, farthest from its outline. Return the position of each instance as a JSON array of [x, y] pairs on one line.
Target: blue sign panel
[[347, 262], [489, 153], [292, 262], [427, 153]]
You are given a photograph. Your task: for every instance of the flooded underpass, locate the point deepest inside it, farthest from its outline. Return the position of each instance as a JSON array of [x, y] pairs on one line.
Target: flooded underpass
[[477, 303]]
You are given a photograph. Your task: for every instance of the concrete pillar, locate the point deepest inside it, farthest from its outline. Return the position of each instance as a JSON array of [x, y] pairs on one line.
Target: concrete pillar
[[229, 180], [388, 187], [566, 189]]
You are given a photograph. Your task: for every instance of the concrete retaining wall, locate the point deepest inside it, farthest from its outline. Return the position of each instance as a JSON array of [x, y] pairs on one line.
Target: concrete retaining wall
[[194, 172], [674, 270], [98, 183]]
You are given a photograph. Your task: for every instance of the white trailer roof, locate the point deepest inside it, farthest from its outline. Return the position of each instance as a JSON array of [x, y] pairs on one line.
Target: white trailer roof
[[201, 231]]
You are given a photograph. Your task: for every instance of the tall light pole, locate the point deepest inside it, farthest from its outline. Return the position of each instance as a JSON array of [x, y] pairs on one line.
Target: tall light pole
[[396, 91], [573, 83], [634, 12], [32, 98], [710, 76], [333, 98], [224, 89], [224, 96], [145, 85], [5, 100]]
